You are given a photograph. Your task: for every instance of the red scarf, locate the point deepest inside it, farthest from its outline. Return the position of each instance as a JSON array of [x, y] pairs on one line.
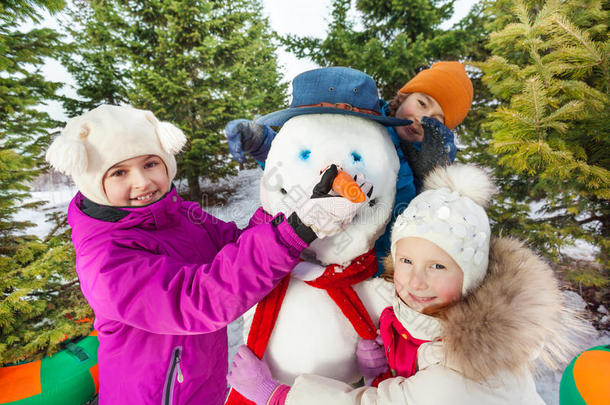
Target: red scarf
[[337, 281], [400, 347]]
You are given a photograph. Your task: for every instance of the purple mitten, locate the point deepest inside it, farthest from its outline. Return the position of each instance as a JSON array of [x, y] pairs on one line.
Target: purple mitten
[[371, 358], [251, 377]]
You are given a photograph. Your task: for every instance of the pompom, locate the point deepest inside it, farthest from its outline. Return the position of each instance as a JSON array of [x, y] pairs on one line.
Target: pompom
[[68, 155], [467, 180], [84, 131], [172, 138]]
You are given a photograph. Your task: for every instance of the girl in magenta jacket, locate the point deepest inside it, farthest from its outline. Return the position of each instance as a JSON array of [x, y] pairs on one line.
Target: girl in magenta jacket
[[163, 277]]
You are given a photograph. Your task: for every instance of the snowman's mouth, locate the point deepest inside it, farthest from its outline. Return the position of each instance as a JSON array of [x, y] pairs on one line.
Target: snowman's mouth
[[372, 201]]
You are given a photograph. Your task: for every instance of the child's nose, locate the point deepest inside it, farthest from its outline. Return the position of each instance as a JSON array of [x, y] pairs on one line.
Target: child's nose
[[418, 280], [140, 180], [419, 115]]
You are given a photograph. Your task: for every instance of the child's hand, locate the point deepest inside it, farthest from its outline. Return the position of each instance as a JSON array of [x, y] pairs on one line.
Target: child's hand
[[435, 130], [245, 136], [328, 214], [251, 377], [371, 358], [437, 148]]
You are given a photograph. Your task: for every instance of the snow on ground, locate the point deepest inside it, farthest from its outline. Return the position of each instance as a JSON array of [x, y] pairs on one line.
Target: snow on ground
[[57, 199], [547, 382], [581, 250], [239, 209], [243, 202]]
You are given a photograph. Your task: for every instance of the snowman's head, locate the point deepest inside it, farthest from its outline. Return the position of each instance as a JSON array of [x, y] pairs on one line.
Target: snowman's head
[[305, 146]]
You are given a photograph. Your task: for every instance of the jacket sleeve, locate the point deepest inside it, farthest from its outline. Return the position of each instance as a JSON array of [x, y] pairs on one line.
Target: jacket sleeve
[[222, 232], [125, 280], [227, 232], [432, 386]]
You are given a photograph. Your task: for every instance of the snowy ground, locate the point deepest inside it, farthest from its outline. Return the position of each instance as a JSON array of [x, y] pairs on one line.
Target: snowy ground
[[58, 197], [241, 206]]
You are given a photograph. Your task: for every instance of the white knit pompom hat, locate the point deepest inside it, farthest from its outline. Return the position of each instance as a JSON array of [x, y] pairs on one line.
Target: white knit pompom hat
[[450, 212], [92, 143]]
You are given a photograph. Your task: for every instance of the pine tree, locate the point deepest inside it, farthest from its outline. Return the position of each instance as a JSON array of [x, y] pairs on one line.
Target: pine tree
[[391, 40], [197, 63], [549, 74], [37, 288], [92, 57], [42, 305], [24, 130]]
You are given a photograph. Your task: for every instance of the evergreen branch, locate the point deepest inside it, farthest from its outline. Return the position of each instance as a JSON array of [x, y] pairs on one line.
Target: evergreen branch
[[549, 9], [580, 36], [537, 115], [520, 123], [550, 132], [553, 164], [522, 13], [565, 112], [595, 99], [58, 290]]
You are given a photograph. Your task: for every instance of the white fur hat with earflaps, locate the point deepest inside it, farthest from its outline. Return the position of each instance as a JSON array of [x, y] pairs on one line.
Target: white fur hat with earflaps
[[95, 141], [450, 212]]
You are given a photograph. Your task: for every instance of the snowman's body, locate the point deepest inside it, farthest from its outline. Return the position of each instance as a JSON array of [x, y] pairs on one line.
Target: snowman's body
[[311, 334]]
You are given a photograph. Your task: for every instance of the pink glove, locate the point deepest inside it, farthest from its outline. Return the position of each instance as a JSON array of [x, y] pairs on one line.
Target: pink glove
[[251, 377], [371, 358]]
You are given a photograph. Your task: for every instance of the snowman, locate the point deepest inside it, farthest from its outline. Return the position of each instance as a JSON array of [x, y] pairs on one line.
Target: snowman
[[311, 323]]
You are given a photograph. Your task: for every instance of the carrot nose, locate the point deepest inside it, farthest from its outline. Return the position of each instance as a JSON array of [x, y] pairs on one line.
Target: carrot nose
[[346, 187]]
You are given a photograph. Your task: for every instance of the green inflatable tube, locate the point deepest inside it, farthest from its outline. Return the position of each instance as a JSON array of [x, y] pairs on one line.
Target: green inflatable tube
[[69, 377]]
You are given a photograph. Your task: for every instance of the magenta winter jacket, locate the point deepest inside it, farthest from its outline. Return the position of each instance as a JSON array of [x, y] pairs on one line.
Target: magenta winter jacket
[[164, 281]]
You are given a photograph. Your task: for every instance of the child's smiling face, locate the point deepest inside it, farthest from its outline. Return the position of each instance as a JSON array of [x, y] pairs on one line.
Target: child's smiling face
[[137, 181], [425, 276], [414, 108]]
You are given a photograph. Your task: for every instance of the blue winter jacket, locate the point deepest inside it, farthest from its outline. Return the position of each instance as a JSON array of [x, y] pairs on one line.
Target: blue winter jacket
[[406, 189]]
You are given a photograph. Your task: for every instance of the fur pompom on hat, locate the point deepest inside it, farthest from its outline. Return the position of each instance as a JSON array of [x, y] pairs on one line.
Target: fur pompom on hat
[[449, 85], [95, 141], [450, 212]]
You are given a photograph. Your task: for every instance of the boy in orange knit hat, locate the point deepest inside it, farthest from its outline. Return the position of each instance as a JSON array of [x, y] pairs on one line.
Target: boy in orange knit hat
[[436, 100], [448, 86]]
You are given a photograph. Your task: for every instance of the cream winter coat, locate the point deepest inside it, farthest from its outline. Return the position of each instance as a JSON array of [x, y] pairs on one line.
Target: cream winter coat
[[489, 342]]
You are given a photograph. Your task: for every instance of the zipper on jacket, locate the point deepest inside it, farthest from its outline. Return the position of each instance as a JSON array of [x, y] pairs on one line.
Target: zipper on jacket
[[173, 373]]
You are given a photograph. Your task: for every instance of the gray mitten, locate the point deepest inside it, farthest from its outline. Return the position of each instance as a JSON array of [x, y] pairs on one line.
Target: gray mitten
[[245, 136], [434, 151]]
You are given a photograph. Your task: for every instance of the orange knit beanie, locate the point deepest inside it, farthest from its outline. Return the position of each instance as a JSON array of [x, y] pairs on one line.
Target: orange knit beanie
[[449, 85]]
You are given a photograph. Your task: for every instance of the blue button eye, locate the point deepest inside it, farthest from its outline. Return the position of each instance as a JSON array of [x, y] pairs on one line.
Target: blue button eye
[[305, 154], [356, 157]]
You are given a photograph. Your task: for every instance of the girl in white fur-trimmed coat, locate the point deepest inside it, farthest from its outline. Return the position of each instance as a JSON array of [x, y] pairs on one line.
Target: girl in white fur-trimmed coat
[[471, 316]]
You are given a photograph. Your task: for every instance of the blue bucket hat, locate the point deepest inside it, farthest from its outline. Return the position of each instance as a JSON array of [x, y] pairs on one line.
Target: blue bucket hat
[[333, 90]]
